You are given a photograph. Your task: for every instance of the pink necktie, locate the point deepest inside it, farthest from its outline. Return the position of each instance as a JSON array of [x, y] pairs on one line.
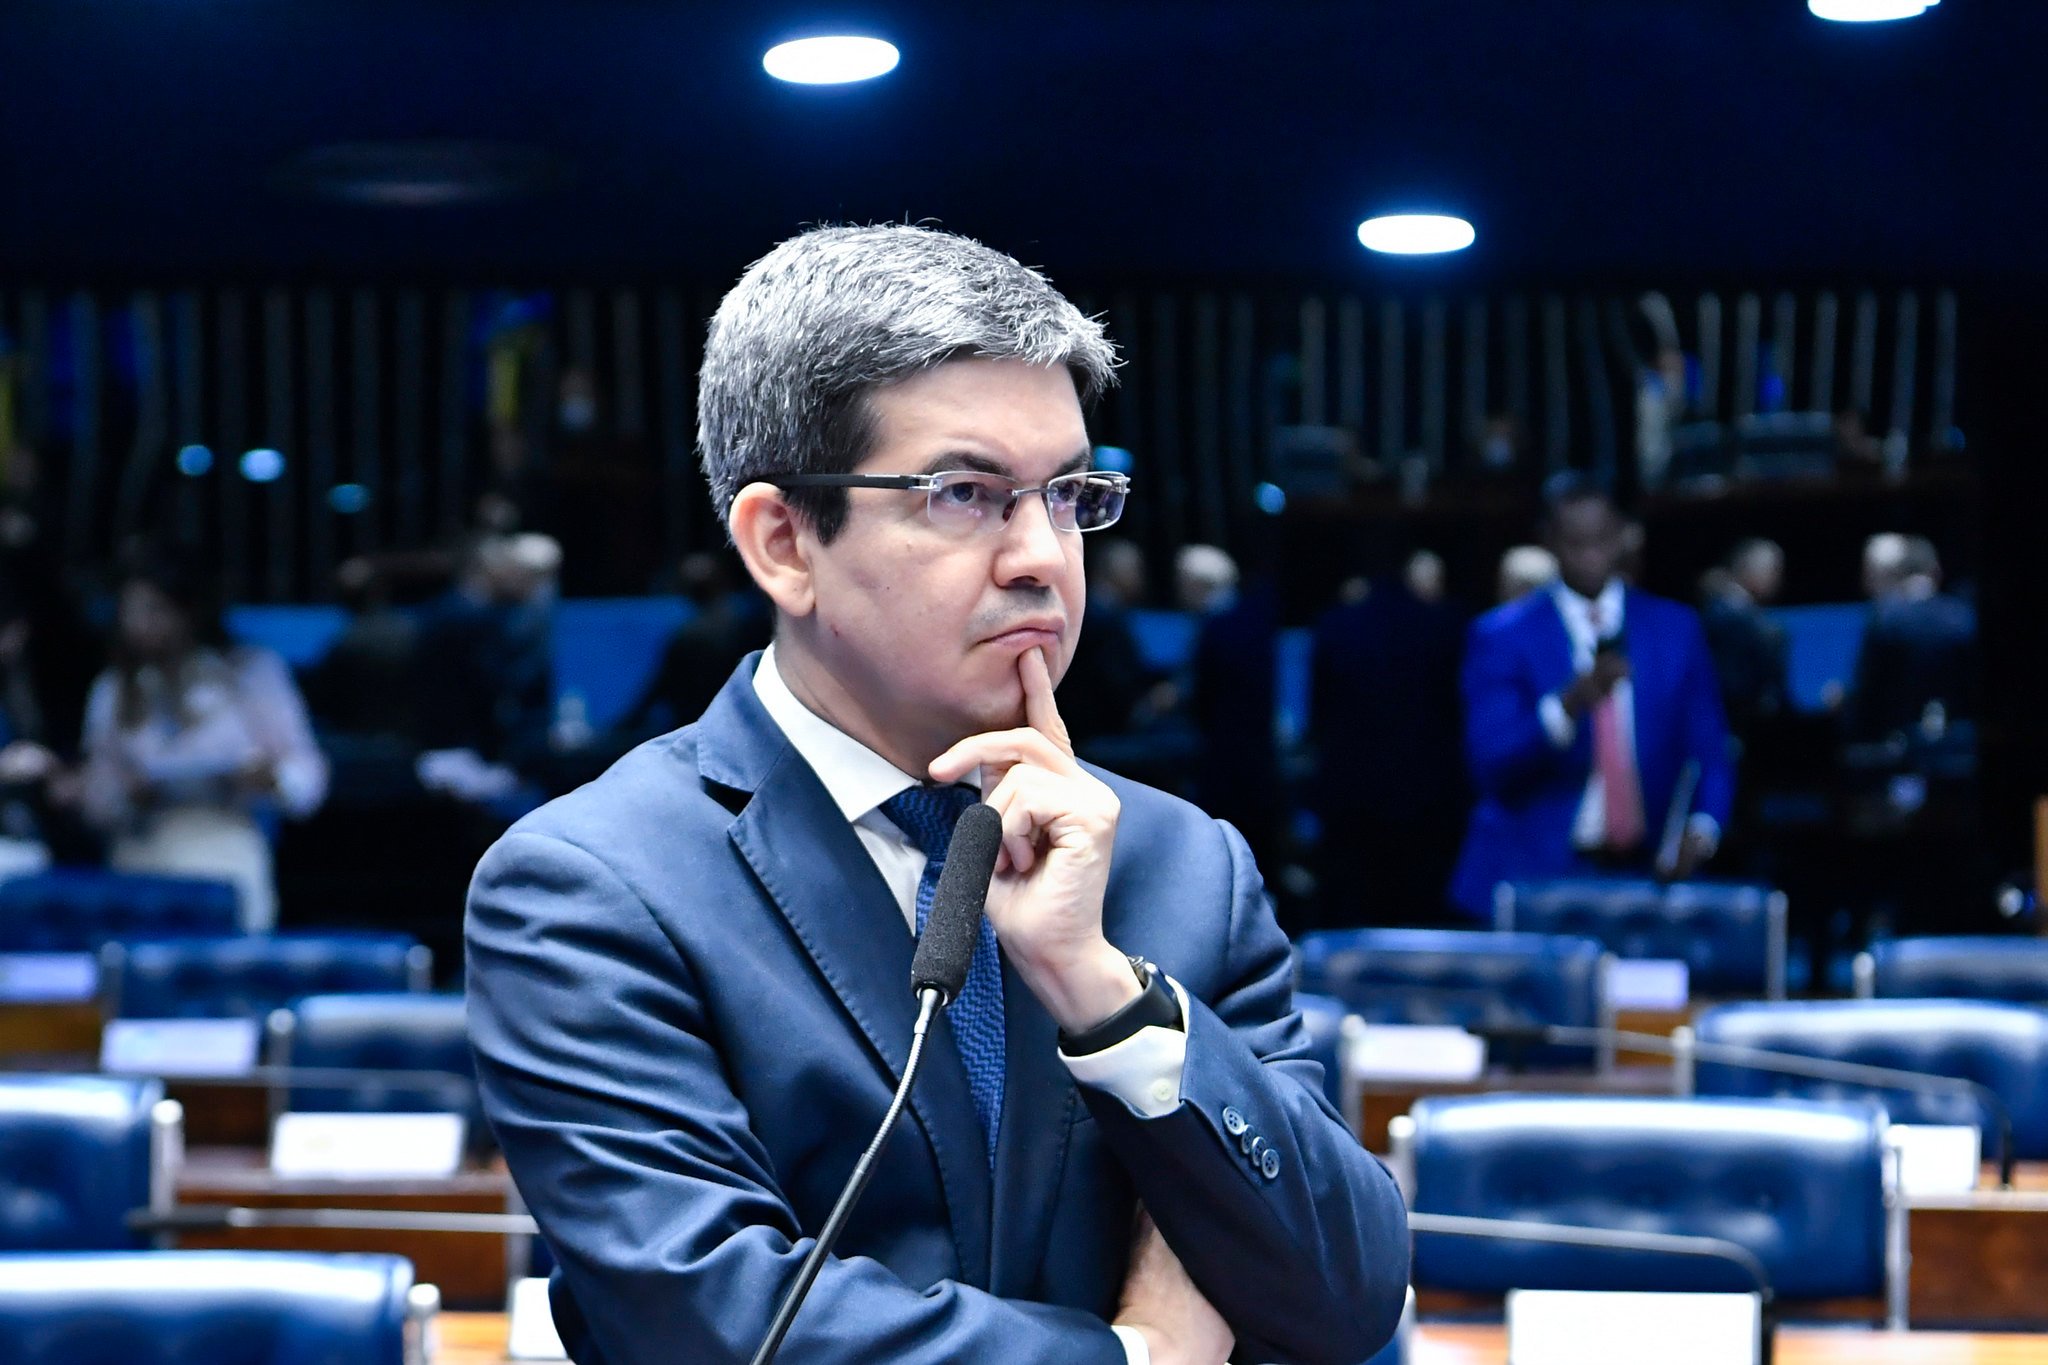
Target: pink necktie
[[1614, 759]]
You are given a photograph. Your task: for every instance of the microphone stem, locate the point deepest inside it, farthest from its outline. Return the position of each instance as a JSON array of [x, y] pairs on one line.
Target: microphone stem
[[929, 1001]]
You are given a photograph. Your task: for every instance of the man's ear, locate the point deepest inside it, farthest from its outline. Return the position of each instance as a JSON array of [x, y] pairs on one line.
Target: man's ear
[[765, 531]]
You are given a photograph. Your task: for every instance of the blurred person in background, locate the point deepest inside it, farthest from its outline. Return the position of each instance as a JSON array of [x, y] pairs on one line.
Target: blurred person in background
[[1918, 666], [1204, 579], [193, 746], [1424, 576], [1524, 569], [1859, 452], [483, 665], [1233, 698], [363, 684], [1585, 707], [1390, 788], [1109, 690], [1749, 648], [45, 669], [725, 626]]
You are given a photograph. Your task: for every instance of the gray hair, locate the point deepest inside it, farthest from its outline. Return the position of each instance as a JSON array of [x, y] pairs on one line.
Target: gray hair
[[827, 317]]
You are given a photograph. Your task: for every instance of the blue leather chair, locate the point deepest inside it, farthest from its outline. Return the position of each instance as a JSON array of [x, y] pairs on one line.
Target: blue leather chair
[[1461, 977], [220, 1307], [249, 975], [1990, 967], [1998, 1045], [1800, 1184], [1730, 936], [384, 1032], [75, 910], [76, 1154]]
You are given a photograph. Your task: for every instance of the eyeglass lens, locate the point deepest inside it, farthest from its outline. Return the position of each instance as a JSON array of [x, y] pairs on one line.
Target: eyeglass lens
[[1076, 502]]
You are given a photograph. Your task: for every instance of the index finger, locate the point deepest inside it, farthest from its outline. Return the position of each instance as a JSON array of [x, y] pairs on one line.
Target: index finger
[[1040, 712]]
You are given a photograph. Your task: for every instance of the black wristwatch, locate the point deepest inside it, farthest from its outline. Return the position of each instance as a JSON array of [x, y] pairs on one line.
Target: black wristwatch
[[1155, 1007]]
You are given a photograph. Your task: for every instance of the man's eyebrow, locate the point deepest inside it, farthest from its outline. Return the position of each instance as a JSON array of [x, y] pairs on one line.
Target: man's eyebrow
[[982, 464], [967, 459]]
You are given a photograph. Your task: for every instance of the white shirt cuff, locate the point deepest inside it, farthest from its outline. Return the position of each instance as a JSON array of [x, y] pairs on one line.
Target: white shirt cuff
[[1144, 1069], [1136, 1352], [1561, 728]]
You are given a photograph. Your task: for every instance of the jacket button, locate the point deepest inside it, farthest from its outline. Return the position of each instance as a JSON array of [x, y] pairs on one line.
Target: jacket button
[[1269, 1164], [1233, 1122], [1256, 1151], [1246, 1139]]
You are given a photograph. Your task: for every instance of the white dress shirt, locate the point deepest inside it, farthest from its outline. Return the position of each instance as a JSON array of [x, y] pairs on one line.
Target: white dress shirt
[[1144, 1071], [1589, 827]]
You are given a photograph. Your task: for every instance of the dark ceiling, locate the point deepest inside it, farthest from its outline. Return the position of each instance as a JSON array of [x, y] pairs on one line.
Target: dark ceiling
[[1108, 139]]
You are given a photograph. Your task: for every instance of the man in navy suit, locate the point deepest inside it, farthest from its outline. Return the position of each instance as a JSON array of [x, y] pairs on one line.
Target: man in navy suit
[[689, 981], [1585, 706]]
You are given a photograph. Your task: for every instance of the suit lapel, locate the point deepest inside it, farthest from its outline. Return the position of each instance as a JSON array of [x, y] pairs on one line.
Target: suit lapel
[[1031, 1143], [1559, 657], [813, 867]]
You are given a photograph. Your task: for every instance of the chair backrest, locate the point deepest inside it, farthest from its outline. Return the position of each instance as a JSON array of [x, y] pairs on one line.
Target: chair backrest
[[247, 976], [2002, 1046], [1461, 977], [75, 910], [381, 1032], [222, 1307], [77, 1153], [1800, 1184], [1962, 968], [1731, 936], [1324, 1016]]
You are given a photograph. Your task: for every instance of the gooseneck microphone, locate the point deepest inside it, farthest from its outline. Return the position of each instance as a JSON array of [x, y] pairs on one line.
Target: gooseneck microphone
[[951, 930], [1747, 1058], [938, 970]]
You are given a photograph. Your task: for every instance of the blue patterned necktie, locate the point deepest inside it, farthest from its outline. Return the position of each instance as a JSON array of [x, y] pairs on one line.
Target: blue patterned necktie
[[927, 815]]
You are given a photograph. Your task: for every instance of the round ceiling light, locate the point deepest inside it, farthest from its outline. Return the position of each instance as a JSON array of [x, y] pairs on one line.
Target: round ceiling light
[[830, 61], [1869, 11], [1415, 234]]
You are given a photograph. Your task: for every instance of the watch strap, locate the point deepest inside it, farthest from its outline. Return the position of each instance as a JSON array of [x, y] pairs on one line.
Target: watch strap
[[1155, 1007]]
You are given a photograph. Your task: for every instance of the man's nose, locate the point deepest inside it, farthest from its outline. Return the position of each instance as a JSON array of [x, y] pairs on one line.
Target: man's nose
[[1032, 547]]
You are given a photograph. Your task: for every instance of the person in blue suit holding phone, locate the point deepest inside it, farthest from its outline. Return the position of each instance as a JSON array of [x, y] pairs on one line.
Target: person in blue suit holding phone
[[1591, 712], [689, 980]]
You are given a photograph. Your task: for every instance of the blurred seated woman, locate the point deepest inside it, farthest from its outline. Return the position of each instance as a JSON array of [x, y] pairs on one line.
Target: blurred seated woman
[[194, 747]]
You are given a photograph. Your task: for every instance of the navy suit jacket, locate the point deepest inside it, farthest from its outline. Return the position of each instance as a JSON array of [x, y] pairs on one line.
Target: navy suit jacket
[[1529, 790], [689, 999]]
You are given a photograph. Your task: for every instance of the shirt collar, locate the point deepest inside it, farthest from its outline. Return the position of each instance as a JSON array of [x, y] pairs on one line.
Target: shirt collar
[[856, 777], [1578, 611]]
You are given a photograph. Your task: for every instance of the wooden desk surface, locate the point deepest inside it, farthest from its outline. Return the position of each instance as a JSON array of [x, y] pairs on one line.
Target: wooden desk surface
[[479, 1339]]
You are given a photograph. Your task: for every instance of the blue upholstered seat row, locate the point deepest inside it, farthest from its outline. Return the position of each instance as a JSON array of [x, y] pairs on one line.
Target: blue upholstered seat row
[[1731, 936], [74, 1159], [1800, 1184], [384, 1032], [75, 910], [249, 975], [1459, 977], [1999, 1045], [216, 1307], [1987, 967]]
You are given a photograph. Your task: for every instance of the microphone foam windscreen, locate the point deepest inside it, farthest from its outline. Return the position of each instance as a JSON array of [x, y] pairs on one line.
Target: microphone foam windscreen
[[950, 931]]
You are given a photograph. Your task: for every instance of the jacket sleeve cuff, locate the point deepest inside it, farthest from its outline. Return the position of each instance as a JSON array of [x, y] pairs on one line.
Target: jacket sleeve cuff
[[1144, 1070], [1561, 728]]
